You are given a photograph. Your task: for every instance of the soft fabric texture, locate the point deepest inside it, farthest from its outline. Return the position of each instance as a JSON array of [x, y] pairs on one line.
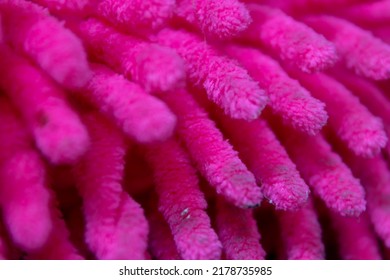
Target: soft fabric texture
[[194, 129]]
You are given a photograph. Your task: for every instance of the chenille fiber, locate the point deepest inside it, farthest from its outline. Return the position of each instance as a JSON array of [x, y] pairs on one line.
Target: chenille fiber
[[194, 129]]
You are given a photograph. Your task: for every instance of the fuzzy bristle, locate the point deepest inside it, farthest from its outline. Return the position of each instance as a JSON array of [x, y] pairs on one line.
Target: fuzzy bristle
[[195, 129]]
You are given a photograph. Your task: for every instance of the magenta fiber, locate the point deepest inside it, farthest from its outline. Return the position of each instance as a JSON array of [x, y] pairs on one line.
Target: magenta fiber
[[58, 245], [276, 174], [194, 129], [291, 40], [360, 50], [238, 232], [136, 16], [68, 7], [348, 117], [301, 233], [228, 85], [57, 129], [24, 196], [46, 41], [206, 15], [370, 95], [356, 238], [373, 173], [287, 97], [326, 173], [156, 67], [182, 203], [368, 14], [141, 116], [113, 219], [299, 7], [215, 158], [161, 243]]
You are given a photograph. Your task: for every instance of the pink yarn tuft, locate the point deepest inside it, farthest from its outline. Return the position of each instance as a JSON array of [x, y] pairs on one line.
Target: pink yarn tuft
[[223, 19], [24, 197], [286, 96], [277, 176], [214, 157], [352, 122], [45, 40], [136, 16], [356, 238], [161, 242], [152, 129], [326, 173], [374, 175], [116, 227], [291, 40], [141, 116], [368, 14], [57, 129], [238, 232], [68, 7], [370, 95], [155, 67], [367, 55], [301, 233], [177, 184], [307, 6], [58, 245], [228, 85]]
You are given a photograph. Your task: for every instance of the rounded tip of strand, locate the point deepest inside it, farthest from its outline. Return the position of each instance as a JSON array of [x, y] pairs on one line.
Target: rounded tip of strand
[[317, 59], [161, 69], [157, 122], [224, 19], [288, 197], [62, 141], [247, 109], [29, 222], [368, 143]]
